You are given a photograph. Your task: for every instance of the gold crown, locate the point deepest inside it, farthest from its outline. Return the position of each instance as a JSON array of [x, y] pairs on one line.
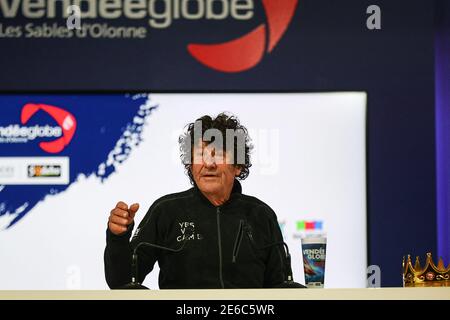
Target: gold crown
[[428, 276]]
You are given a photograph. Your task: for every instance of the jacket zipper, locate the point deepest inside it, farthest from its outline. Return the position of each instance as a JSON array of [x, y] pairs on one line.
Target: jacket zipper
[[237, 242], [219, 240]]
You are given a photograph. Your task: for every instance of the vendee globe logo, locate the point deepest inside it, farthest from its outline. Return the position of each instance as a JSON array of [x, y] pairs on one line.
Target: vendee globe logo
[[100, 19], [67, 124], [64, 119]]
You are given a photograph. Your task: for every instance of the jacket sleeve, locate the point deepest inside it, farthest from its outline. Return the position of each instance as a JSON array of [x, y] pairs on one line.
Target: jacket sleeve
[[119, 249], [275, 266]]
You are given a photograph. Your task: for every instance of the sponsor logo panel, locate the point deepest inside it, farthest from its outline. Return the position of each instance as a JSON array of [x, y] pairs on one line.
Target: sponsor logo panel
[[34, 170]]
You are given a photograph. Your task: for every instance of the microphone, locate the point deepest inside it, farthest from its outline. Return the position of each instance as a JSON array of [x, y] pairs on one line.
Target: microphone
[[134, 284], [289, 278]]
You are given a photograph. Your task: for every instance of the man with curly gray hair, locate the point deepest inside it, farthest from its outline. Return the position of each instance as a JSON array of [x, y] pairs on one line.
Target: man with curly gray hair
[[210, 236]]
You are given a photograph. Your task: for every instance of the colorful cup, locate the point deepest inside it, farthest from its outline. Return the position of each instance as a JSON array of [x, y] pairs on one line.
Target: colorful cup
[[314, 253]]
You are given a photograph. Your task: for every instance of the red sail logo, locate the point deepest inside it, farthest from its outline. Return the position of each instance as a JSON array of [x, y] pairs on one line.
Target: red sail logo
[[65, 120], [247, 51]]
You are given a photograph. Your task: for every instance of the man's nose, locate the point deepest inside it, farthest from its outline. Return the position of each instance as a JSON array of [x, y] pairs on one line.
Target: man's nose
[[210, 165], [209, 159]]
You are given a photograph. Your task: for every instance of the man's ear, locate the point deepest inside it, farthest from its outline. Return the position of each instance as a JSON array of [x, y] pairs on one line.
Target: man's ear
[[237, 171]]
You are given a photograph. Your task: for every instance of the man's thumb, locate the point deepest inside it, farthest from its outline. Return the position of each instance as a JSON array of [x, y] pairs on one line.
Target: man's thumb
[[133, 209]]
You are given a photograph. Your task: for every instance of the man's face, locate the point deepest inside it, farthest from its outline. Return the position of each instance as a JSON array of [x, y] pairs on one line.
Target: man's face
[[213, 170]]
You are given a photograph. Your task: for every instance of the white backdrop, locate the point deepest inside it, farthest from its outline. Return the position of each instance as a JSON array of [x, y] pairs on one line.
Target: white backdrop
[[308, 164]]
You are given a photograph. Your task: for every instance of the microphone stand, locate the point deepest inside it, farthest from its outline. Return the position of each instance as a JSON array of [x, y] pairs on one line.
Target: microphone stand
[[289, 278], [134, 284], [289, 282]]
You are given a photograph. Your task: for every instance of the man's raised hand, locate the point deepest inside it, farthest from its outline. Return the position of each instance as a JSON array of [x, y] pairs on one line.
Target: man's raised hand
[[121, 217]]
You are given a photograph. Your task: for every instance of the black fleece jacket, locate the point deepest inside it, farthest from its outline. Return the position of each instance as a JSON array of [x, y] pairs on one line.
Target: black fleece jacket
[[230, 246]]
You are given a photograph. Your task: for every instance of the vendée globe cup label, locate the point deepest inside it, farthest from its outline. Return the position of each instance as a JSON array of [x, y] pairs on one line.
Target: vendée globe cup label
[[314, 253]]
